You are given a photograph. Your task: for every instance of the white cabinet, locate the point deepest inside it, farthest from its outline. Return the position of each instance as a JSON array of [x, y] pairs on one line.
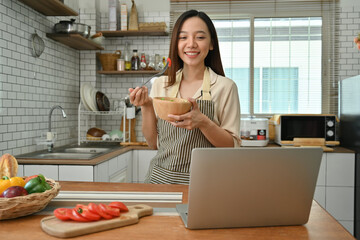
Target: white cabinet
[[76, 173], [117, 169], [141, 162], [49, 171], [335, 187]]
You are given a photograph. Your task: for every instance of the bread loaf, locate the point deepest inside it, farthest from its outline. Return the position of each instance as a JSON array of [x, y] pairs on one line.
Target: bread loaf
[[8, 166]]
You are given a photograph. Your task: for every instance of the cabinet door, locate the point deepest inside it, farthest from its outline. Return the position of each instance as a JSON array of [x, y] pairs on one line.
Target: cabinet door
[[49, 171], [141, 164], [76, 173], [102, 171]]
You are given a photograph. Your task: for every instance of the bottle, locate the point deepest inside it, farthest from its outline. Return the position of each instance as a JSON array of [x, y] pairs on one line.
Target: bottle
[[127, 57], [157, 61], [135, 61], [143, 62]]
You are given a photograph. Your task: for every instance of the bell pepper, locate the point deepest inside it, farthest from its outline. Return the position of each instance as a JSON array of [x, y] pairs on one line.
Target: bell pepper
[[5, 183], [37, 185]]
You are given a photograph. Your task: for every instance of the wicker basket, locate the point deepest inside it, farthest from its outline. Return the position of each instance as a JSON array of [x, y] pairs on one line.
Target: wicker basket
[[108, 60], [25, 205]]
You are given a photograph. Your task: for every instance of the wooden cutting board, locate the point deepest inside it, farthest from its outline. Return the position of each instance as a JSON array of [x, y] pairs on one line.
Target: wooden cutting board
[[65, 229]]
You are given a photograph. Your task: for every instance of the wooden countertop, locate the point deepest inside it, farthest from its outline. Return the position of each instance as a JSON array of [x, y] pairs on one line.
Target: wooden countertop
[[321, 224]]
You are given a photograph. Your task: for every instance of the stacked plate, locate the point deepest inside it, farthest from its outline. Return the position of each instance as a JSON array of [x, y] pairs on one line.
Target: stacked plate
[[92, 99]]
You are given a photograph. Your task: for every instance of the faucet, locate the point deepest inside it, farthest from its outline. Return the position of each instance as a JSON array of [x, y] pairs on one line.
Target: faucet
[[51, 145]]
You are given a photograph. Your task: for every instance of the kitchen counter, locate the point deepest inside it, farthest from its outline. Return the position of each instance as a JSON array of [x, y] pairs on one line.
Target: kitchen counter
[[120, 151], [320, 226]]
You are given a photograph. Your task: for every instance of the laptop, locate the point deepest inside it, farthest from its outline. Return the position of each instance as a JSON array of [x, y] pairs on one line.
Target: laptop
[[250, 187]]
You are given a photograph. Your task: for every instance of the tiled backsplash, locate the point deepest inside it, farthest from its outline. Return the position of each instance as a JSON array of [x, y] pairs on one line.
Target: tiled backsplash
[[349, 55], [30, 86]]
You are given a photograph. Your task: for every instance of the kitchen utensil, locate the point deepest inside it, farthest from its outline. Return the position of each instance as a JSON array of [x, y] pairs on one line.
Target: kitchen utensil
[[89, 95], [95, 134], [64, 229], [102, 101], [38, 44], [132, 129], [116, 135], [72, 27], [98, 38], [168, 64], [166, 105], [82, 96]]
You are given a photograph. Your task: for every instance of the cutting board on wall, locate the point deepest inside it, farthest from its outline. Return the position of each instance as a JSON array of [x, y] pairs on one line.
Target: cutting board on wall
[[132, 128], [65, 229]]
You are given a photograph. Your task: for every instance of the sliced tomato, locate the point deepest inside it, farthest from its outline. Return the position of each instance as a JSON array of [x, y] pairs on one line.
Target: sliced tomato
[[77, 216], [119, 205], [84, 211], [109, 210], [62, 213], [96, 209]]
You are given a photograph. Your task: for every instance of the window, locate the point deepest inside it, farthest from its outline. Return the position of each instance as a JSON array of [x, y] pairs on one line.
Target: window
[[280, 53], [286, 77]]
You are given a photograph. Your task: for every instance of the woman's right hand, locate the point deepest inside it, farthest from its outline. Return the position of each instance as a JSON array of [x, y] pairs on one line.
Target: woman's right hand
[[139, 96]]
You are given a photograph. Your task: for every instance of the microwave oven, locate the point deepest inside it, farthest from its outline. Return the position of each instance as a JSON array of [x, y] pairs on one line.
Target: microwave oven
[[320, 126]]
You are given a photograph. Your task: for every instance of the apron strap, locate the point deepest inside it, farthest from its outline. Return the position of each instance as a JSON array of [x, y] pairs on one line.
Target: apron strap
[[205, 89]]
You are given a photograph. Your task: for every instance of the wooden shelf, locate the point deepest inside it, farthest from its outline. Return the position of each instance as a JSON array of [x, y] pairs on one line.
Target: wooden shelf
[[133, 33], [50, 7], [127, 72], [74, 40]]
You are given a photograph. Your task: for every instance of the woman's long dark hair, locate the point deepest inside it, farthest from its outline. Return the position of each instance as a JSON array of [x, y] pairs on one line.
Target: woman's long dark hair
[[212, 60]]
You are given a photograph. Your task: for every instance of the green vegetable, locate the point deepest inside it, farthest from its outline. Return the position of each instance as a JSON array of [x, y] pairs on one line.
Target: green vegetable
[[37, 185]]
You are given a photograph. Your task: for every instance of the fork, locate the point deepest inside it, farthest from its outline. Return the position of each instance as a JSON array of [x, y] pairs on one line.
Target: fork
[[168, 64]]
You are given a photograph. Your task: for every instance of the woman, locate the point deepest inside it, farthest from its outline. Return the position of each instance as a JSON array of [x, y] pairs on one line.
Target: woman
[[196, 74]]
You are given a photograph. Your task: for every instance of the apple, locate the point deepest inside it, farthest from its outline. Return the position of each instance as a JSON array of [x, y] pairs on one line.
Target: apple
[[14, 192]]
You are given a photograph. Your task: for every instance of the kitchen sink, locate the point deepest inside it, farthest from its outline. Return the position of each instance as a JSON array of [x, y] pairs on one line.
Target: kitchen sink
[[62, 155], [86, 150], [71, 152]]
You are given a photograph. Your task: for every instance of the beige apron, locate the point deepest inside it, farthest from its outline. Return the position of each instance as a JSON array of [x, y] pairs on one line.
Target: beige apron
[[172, 162]]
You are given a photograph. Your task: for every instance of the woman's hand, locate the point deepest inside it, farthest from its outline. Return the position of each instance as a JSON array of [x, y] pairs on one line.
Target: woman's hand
[[139, 96], [190, 120]]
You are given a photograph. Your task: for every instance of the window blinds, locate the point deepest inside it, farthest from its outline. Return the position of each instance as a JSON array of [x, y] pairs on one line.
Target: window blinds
[[251, 9]]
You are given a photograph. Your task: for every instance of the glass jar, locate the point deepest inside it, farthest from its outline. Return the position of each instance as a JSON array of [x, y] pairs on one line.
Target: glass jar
[[142, 61], [121, 64], [151, 65]]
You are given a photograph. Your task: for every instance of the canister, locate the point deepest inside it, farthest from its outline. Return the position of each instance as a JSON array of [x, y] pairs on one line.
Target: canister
[[121, 64]]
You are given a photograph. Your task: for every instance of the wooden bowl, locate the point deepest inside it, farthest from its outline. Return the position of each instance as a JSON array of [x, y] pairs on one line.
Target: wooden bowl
[[167, 105], [95, 134]]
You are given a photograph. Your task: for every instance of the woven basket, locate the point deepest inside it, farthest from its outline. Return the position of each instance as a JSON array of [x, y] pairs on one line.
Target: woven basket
[[108, 60], [25, 205]]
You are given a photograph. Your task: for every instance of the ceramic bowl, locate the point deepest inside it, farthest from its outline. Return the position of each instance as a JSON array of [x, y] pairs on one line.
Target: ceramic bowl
[[102, 101], [167, 105]]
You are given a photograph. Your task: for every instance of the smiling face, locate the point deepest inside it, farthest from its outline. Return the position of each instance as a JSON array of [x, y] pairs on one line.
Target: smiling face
[[194, 42]]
